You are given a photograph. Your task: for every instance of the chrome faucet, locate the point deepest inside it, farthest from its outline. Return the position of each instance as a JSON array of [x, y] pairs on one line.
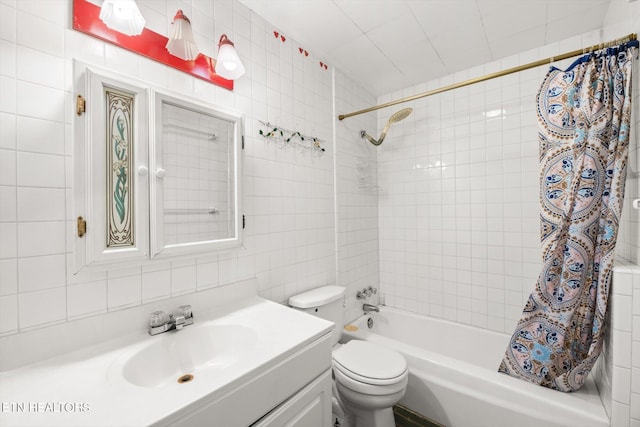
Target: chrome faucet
[[161, 321], [370, 307]]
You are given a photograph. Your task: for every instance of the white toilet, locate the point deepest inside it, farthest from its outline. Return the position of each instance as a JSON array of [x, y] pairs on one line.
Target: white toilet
[[369, 378]]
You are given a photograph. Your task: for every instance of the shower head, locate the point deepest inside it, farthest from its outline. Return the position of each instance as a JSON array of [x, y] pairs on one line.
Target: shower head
[[400, 115], [395, 117]]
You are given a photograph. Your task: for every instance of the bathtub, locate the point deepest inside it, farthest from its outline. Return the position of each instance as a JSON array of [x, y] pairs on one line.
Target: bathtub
[[453, 376]]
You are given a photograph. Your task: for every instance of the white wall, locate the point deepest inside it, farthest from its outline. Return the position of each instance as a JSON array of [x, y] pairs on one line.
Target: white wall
[[289, 193], [356, 195]]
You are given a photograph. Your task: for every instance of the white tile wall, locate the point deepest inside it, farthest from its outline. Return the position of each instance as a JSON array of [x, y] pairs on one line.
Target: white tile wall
[[458, 205], [623, 18], [356, 195], [619, 374], [289, 242], [458, 200]]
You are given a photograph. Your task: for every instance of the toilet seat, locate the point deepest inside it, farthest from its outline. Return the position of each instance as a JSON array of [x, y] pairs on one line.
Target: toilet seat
[[362, 363], [345, 381]]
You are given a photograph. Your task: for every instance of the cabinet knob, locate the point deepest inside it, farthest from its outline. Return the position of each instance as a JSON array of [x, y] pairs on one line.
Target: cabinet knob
[[161, 173], [142, 170]]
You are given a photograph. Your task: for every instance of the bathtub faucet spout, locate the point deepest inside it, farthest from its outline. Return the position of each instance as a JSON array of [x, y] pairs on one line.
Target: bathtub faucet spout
[[370, 307]]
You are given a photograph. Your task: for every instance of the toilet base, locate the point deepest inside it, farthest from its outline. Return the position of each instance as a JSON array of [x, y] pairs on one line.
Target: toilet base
[[373, 418], [368, 410]]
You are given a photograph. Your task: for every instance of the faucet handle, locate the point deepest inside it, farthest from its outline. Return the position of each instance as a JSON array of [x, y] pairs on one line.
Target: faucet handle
[[158, 318], [185, 310]]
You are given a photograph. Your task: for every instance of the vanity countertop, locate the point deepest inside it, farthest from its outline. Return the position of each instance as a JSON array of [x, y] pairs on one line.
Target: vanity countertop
[[89, 387]]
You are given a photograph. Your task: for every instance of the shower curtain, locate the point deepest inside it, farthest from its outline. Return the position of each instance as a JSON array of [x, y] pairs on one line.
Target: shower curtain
[[584, 116]]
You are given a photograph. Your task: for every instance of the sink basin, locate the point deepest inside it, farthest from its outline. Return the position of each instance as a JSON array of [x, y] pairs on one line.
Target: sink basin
[[177, 357]]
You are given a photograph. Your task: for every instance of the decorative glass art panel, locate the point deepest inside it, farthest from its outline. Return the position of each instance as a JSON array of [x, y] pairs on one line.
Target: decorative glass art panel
[[120, 223]]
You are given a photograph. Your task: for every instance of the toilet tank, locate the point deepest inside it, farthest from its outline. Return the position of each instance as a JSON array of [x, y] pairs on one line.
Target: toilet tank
[[326, 302]]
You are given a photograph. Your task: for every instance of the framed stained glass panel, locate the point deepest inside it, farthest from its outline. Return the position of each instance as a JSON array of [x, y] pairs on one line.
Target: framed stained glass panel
[[120, 161]]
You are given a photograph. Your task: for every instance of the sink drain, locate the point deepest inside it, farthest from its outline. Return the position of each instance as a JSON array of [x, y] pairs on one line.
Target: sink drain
[[185, 378]]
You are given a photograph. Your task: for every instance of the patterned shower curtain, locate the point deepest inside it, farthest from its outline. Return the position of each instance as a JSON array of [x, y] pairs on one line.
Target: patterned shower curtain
[[584, 116]]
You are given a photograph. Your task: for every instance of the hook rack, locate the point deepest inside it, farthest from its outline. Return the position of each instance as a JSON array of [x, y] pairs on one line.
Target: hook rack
[[291, 137]]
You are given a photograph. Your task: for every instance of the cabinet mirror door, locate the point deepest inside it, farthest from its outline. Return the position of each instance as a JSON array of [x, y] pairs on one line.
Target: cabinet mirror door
[[194, 177]]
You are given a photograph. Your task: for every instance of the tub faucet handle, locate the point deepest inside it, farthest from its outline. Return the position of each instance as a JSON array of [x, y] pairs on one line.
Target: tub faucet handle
[[366, 292]]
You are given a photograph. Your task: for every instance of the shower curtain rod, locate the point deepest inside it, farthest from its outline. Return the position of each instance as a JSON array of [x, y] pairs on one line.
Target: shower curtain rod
[[630, 37]]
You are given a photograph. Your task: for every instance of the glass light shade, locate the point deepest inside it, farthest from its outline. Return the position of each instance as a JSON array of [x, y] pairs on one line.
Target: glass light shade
[[181, 41], [228, 64], [122, 16]]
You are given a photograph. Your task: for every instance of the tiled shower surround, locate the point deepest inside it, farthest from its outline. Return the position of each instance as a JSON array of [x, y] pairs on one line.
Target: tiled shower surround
[[458, 215], [458, 208], [459, 190], [442, 217]]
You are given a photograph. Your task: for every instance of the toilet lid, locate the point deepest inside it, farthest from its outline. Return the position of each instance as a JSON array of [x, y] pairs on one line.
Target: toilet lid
[[366, 359]]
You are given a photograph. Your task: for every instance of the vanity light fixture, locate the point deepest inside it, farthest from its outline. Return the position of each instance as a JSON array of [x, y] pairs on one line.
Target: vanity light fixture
[[181, 42], [122, 16], [228, 64]]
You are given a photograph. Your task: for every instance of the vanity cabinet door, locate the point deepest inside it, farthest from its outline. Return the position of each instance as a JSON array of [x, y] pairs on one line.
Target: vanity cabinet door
[[310, 407]]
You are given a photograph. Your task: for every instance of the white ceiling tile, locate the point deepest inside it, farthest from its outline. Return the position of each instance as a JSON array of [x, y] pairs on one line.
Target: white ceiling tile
[[469, 34], [387, 45], [512, 18], [403, 29], [561, 9], [369, 14], [436, 16], [320, 20], [362, 48], [517, 42]]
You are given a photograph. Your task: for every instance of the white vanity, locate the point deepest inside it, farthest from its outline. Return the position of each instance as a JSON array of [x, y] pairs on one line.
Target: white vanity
[[245, 361]]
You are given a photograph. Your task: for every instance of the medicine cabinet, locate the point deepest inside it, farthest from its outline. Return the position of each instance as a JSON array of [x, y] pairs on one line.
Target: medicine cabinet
[[156, 174]]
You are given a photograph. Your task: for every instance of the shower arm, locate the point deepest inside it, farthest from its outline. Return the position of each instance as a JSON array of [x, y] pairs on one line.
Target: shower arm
[[364, 134]]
